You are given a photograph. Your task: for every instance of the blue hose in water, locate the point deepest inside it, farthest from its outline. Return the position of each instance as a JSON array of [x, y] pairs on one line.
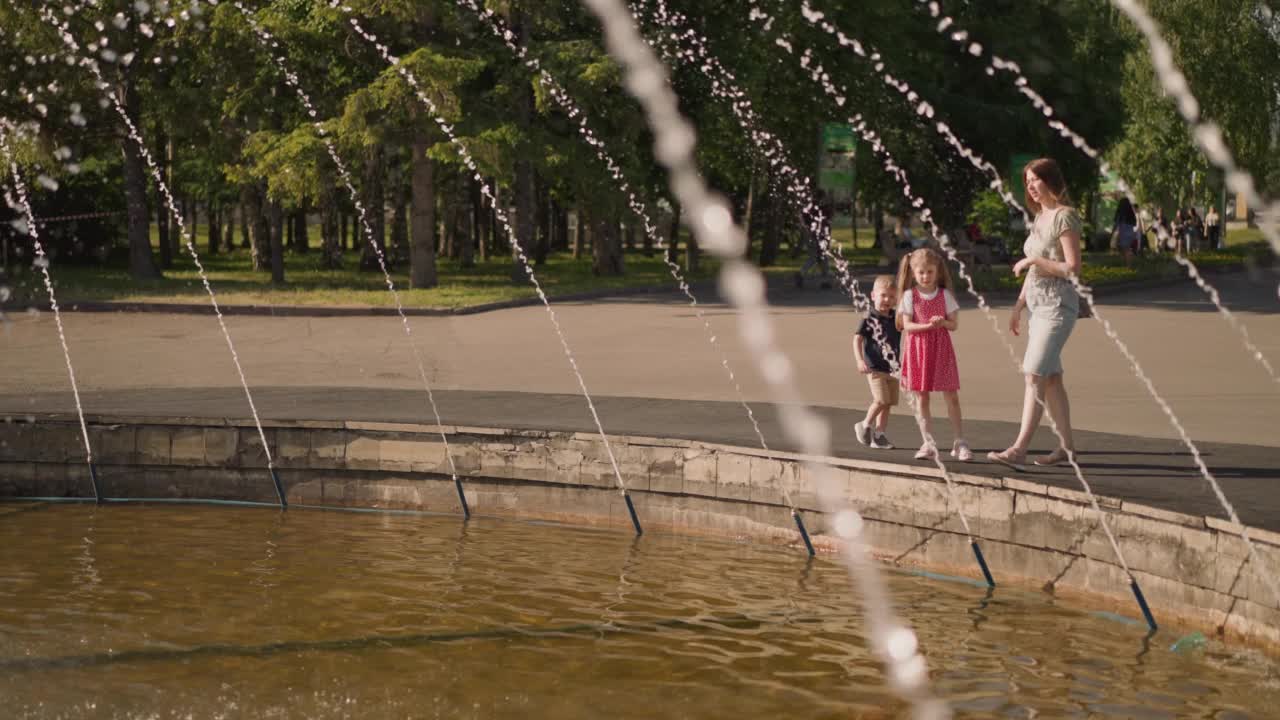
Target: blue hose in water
[[1142, 603], [462, 499], [93, 479], [631, 508], [284, 504], [804, 534], [982, 563]]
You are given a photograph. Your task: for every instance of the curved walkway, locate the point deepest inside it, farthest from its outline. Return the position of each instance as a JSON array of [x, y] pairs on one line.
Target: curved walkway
[[648, 359]]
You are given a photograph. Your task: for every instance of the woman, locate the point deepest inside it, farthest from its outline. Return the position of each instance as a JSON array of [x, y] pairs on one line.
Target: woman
[[1124, 227], [1163, 232], [1195, 230], [1179, 231], [1052, 257], [1213, 226]]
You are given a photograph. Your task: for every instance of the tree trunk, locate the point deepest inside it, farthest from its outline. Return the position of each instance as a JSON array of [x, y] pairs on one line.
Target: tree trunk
[[141, 263], [229, 227], [494, 233], [215, 227], [277, 243], [162, 231], [646, 239], [175, 228], [542, 241], [330, 240], [673, 241], [245, 241], [478, 225], [374, 203], [606, 245], [771, 238], [877, 220], [562, 227], [304, 234], [163, 218], [400, 227], [422, 251], [524, 198], [449, 221], [193, 215], [580, 229], [290, 227], [691, 252], [524, 182], [260, 239], [497, 231]]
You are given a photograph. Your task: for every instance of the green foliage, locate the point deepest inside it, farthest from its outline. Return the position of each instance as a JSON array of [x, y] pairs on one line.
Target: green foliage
[[1231, 57], [223, 101], [991, 215]]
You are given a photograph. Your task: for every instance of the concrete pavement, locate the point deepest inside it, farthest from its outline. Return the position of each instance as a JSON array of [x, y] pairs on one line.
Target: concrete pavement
[[649, 361]]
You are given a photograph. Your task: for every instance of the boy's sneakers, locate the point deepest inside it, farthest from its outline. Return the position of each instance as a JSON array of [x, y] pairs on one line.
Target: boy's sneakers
[[862, 431], [927, 452], [880, 442], [960, 451]]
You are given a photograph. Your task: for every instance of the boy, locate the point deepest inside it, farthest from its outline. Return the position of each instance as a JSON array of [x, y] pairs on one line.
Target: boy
[[873, 363]]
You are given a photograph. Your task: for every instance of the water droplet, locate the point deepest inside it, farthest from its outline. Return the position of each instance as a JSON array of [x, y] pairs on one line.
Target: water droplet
[[848, 524]]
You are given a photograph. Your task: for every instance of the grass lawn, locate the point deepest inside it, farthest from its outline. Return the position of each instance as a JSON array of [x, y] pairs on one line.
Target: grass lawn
[[1107, 268], [309, 284]]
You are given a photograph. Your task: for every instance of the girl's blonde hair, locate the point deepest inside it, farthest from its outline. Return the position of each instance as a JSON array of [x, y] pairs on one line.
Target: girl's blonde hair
[[907, 279]]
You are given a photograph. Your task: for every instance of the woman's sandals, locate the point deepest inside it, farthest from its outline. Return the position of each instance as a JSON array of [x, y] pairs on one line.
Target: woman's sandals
[[1059, 455], [1018, 460], [1009, 458]]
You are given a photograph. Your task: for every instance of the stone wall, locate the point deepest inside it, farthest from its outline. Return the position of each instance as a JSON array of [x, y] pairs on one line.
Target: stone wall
[[1195, 571]]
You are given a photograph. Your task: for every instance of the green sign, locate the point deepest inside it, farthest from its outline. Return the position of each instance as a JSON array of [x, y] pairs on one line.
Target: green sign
[[1108, 198], [839, 143], [836, 177]]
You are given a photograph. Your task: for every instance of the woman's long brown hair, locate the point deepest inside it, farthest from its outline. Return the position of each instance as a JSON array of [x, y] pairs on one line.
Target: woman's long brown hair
[[1051, 175]]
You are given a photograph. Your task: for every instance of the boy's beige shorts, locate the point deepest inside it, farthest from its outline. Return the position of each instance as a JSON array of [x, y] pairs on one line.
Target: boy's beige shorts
[[884, 388]]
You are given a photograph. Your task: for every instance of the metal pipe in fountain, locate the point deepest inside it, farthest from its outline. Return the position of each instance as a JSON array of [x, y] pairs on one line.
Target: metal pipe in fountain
[[62, 29], [272, 46], [944, 242], [1209, 137], [31, 229], [522, 257], [712, 222], [561, 96], [773, 149]]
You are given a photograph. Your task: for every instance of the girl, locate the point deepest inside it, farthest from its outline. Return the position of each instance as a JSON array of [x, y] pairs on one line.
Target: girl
[[928, 313], [1052, 258]]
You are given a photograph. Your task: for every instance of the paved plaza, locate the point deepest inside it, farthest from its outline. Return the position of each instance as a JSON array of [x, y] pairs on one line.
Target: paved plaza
[[648, 362]]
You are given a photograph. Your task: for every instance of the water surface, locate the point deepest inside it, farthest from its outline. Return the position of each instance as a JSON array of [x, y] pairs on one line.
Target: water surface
[[128, 611]]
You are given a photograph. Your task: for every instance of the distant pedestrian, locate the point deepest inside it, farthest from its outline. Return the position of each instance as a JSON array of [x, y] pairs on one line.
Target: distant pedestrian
[[1164, 240], [1124, 227], [928, 313], [877, 348], [1213, 228], [1195, 230], [1179, 231]]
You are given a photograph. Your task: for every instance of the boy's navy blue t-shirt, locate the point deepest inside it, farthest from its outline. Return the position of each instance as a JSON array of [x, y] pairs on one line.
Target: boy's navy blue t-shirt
[[892, 337]]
